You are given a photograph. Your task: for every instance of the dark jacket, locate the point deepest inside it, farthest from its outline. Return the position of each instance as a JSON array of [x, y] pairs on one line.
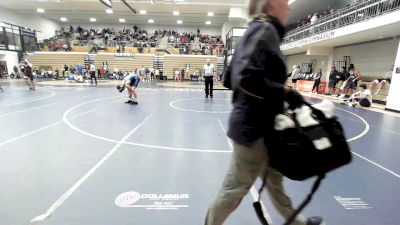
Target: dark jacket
[[344, 76], [333, 75], [258, 68]]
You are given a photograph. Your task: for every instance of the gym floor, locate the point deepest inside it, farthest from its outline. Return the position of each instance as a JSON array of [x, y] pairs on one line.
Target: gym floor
[[79, 155]]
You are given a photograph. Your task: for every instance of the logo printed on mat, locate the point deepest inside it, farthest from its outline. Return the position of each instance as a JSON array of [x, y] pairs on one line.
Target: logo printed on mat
[[151, 201]]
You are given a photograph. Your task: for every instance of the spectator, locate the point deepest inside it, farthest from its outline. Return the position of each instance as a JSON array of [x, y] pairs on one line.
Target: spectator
[[15, 69], [314, 19], [295, 75], [317, 81], [79, 69], [344, 75], [176, 74], [334, 78], [351, 83], [363, 97], [102, 71], [157, 73], [65, 70]]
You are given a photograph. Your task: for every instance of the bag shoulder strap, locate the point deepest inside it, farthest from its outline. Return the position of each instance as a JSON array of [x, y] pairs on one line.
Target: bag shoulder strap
[[258, 208]]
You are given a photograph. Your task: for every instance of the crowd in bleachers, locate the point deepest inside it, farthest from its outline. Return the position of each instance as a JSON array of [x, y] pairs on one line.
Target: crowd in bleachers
[[80, 73], [313, 18], [186, 42], [316, 16]]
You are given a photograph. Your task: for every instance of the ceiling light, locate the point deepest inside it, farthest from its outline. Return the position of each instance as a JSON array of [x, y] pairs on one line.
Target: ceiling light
[[176, 13], [109, 11], [151, 21], [92, 19], [107, 3], [179, 21], [143, 12], [40, 10], [122, 20], [210, 14], [208, 22], [63, 19]]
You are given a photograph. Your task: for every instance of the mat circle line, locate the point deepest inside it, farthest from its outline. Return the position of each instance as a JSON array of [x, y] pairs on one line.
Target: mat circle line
[[69, 124], [52, 93], [171, 104]]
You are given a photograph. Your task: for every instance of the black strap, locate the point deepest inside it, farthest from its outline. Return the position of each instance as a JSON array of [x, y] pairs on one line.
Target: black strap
[[258, 208], [320, 115], [257, 205]]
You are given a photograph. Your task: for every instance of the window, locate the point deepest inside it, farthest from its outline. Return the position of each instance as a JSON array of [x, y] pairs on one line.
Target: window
[[13, 36], [2, 39]]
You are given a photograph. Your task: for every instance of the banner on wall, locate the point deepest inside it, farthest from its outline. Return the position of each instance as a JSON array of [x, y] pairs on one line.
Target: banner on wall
[[320, 37], [28, 32], [307, 85]]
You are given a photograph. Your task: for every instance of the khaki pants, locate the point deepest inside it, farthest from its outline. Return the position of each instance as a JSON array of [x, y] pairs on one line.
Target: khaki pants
[[247, 164]]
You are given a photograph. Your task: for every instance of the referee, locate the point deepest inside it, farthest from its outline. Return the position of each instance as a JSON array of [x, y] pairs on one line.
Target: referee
[[208, 73]]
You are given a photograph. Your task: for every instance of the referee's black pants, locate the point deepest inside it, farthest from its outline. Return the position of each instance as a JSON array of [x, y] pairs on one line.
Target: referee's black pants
[[209, 82], [93, 76]]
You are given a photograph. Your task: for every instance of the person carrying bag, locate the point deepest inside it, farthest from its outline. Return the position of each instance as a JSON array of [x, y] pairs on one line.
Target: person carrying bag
[[309, 142], [256, 76]]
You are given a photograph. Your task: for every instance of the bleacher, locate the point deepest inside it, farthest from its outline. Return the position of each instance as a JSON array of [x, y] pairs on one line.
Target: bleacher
[[173, 62], [56, 60], [382, 95], [124, 62]]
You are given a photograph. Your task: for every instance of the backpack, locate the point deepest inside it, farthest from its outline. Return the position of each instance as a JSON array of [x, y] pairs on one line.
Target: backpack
[[307, 143]]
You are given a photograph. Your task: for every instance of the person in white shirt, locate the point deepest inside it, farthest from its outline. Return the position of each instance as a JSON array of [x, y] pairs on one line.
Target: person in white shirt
[[176, 75], [93, 74], [208, 73], [157, 72], [295, 75], [363, 97], [314, 19]]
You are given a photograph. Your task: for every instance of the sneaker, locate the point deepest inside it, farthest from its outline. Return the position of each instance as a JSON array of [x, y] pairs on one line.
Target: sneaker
[[206, 96], [342, 96], [1, 90], [315, 220], [211, 96]]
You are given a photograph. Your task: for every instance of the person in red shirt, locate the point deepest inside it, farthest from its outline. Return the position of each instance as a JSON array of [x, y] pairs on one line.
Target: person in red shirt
[[102, 71]]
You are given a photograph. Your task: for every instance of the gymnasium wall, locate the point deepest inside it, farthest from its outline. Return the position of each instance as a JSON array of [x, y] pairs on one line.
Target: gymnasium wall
[[298, 59], [11, 58], [46, 27], [373, 59]]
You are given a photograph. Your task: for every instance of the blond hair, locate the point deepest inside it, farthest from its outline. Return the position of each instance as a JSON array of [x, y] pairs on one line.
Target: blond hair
[[256, 8]]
